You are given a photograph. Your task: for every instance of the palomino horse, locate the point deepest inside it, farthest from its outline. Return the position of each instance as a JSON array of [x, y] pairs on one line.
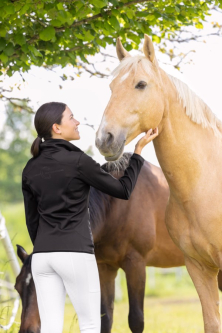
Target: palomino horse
[[189, 150], [130, 234]]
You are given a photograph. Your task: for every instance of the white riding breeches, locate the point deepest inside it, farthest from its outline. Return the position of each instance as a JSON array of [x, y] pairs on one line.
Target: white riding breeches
[[54, 274]]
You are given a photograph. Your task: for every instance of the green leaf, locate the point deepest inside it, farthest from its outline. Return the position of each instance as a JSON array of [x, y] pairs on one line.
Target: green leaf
[[62, 16], [79, 36], [17, 6], [24, 57], [169, 9], [177, 9], [114, 22], [156, 39], [9, 72], [143, 13], [108, 27], [56, 23], [25, 48], [9, 49], [47, 34], [72, 56], [115, 12], [133, 37], [108, 40], [20, 39], [24, 9], [3, 58], [60, 6], [199, 25], [151, 17], [99, 3], [101, 42], [2, 43], [69, 18], [88, 36], [34, 51], [95, 28], [9, 9], [130, 13], [3, 31], [114, 2], [52, 13], [40, 5]]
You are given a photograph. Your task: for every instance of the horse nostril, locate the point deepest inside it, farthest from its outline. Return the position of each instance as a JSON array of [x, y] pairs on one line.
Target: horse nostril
[[109, 139]]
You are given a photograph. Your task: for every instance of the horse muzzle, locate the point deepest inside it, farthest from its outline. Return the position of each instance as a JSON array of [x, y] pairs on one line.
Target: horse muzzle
[[110, 147]]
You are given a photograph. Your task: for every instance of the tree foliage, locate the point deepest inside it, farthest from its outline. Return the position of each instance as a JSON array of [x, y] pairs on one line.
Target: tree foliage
[[55, 32], [15, 144]]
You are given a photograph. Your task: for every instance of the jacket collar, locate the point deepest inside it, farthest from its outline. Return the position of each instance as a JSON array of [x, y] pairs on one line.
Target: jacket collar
[[51, 145]]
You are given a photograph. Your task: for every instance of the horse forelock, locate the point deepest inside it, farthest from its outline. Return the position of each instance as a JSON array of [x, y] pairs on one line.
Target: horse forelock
[[196, 109], [99, 202], [129, 64]]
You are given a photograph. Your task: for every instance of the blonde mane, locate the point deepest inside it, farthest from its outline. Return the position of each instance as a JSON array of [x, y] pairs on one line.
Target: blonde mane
[[196, 109]]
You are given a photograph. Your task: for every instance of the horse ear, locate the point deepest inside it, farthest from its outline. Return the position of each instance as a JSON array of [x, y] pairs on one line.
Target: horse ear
[[21, 252], [148, 48], [121, 52]]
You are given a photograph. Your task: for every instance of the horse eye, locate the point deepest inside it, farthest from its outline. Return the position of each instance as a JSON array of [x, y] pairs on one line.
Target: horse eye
[[141, 85]]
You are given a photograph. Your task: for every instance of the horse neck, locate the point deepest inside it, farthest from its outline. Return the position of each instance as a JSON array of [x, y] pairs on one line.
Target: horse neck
[[183, 147]]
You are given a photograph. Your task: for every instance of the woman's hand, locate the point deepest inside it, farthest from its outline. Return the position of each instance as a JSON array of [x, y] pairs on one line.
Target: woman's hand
[[149, 136]]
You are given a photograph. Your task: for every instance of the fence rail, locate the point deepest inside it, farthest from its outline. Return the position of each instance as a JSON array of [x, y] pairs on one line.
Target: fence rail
[[6, 241]]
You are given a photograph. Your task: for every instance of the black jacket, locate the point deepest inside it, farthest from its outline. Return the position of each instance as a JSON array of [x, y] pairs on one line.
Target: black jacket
[[56, 185]]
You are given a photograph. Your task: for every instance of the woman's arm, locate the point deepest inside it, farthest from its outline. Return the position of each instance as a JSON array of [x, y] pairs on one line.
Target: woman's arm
[[31, 212], [92, 174]]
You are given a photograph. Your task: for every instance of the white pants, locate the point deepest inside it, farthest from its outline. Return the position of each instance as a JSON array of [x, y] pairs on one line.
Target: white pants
[[54, 274]]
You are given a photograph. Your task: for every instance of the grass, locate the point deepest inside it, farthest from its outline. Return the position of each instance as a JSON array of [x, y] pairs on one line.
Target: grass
[[171, 307]]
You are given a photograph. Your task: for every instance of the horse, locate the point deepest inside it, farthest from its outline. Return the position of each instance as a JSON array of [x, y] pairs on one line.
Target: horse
[[128, 234], [188, 149]]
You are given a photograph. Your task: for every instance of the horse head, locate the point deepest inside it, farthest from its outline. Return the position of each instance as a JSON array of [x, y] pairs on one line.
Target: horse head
[[136, 103], [30, 320]]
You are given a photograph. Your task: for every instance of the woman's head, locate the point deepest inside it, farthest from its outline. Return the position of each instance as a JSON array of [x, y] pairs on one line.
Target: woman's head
[[54, 121]]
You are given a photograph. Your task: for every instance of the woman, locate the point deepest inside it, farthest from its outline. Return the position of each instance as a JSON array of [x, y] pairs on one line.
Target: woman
[[55, 184]]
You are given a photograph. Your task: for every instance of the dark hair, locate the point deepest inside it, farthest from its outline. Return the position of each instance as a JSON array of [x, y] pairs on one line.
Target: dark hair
[[45, 117]]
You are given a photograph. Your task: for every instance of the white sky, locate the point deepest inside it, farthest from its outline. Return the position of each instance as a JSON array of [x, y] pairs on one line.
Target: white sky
[[88, 97]]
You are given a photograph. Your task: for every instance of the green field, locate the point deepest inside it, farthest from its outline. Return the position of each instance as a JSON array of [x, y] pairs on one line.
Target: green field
[[172, 306]]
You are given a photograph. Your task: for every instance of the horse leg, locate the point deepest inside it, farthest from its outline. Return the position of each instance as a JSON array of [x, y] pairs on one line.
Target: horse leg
[[135, 270], [205, 281], [107, 276]]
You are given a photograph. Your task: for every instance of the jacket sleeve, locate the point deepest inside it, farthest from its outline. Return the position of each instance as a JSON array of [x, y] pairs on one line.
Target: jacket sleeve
[[31, 212], [91, 173]]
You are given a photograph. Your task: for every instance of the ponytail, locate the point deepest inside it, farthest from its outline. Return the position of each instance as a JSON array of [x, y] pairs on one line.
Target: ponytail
[[35, 146]]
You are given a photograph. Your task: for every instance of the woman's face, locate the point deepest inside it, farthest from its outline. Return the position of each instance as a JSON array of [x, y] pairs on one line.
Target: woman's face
[[68, 129]]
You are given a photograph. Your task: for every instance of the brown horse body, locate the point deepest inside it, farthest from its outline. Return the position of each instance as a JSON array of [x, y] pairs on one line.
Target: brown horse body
[[128, 234], [131, 235]]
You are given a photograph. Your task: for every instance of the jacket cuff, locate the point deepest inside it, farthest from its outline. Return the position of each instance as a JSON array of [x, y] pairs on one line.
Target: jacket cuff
[[138, 157]]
